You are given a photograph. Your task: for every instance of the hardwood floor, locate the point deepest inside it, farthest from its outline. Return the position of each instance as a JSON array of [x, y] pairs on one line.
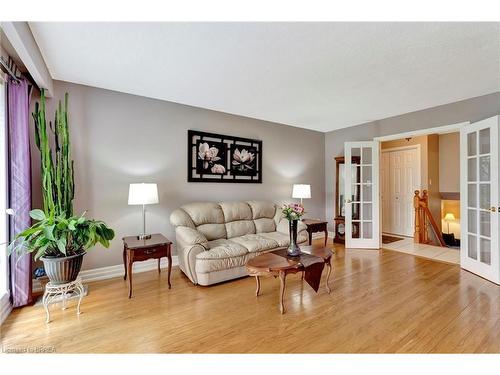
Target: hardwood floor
[[381, 302]]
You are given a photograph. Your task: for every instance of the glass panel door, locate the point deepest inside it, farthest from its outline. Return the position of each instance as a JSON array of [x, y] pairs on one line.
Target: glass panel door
[[479, 202], [362, 195]]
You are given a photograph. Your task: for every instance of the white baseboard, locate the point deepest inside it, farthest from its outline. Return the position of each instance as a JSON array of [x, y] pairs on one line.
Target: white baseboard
[[5, 307], [104, 273]]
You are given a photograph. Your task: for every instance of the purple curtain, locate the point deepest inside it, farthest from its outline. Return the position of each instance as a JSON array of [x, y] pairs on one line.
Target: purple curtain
[[18, 98]]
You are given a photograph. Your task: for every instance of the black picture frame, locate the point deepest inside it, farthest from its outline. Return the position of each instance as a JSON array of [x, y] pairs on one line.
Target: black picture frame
[[200, 171]]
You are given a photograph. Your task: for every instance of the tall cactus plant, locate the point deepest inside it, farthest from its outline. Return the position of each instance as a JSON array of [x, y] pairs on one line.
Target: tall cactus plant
[[57, 178]]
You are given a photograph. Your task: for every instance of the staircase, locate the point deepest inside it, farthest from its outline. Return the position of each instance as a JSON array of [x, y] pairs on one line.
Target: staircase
[[424, 220]]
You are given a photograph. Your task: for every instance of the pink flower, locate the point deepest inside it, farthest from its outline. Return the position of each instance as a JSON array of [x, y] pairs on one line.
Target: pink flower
[[217, 168]]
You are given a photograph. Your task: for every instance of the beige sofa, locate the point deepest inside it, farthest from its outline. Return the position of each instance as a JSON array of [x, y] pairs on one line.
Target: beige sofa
[[215, 240]]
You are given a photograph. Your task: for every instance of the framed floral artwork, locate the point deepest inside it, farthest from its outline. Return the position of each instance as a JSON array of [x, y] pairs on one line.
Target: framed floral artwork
[[223, 158]]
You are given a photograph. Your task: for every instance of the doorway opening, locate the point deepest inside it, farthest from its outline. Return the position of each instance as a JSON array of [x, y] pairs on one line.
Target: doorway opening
[[430, 165]]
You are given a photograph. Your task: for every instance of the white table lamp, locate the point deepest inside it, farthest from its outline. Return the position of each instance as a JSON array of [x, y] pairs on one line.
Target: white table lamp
[[302, 191], [449, 217], [143, 194]]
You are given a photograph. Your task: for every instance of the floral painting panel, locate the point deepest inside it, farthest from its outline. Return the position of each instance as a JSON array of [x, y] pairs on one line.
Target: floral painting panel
[[243, 160], [211, 157]]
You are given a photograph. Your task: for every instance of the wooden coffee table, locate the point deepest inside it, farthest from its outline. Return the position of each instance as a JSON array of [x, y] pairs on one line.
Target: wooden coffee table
[[279, 266]]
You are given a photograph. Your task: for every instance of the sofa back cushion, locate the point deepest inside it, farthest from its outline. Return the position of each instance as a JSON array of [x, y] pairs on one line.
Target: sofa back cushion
[[208, 219], [228, 219], [263, 216], [238, 218]]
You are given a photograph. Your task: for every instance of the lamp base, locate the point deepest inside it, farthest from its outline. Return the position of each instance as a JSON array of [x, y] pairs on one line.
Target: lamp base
[[143, 236]]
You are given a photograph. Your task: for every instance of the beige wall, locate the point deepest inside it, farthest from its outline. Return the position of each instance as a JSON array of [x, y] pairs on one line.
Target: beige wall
[[118, 139], [449, 162], [433, 177]]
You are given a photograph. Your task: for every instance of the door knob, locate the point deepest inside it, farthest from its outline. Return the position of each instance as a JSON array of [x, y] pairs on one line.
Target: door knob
[[348, 201], [494, 209]]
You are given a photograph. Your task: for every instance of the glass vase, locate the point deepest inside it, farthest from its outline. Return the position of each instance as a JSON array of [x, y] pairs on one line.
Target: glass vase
[[293, 249]]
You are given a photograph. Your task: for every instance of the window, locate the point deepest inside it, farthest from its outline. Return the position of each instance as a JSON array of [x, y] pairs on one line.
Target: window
[[3, 191]]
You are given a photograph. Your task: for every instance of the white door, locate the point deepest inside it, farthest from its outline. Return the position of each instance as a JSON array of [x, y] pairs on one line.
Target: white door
[[479, 199], [362, 195], [400, 178]]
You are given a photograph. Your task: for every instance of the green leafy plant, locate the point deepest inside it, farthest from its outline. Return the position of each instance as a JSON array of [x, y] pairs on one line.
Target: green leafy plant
[[60, 236], [57, 232]]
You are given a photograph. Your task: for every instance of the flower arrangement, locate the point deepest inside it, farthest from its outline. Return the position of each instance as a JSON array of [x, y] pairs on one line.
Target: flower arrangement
[[243, 160], [293, 211], [209, 155]]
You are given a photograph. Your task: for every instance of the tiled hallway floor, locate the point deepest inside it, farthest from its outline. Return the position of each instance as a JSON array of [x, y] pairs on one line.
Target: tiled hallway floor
[[443, 254]]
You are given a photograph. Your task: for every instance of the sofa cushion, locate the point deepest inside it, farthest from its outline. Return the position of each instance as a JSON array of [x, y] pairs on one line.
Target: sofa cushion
[[255, 242], [264, 225], [282, 239], [223, 255], [204, 213], [236, 211], [227, 244], [262, 209], [212, 231], [239, 228], [180, 218]]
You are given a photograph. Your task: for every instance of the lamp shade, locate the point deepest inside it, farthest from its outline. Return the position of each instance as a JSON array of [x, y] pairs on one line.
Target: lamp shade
[[301, 191], [142, 194], [449, 217]]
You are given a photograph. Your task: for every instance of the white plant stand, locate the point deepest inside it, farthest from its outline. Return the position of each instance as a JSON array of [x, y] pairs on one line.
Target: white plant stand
[[56, 292]]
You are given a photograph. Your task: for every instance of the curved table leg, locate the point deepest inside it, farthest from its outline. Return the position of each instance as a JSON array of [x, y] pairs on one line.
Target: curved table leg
[[257, 289], [129, 271], [125, 263], [169, 257], [282, 291], [329, 265]]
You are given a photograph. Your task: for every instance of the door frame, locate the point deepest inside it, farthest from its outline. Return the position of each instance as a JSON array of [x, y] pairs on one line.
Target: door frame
[[451, 128], [419, 162]]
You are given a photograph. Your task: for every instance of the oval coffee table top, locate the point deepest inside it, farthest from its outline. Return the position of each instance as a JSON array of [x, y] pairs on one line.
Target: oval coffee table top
[[270, 262]]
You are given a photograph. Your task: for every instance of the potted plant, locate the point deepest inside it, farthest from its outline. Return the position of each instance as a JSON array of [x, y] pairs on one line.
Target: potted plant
[[293, 212], [58, 237]]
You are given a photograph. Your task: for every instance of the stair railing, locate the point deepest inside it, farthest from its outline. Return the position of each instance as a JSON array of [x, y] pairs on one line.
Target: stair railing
[[424, 219]]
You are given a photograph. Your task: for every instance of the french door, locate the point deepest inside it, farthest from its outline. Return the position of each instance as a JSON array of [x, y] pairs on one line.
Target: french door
[[479, 194], [362, 195]]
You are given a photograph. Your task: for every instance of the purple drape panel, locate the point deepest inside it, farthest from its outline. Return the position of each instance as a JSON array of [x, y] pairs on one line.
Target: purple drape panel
[[20, 186]]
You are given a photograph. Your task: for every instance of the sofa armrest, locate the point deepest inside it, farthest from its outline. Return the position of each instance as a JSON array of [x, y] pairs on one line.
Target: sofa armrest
[[283, 226], [187, 259], [188, 236]]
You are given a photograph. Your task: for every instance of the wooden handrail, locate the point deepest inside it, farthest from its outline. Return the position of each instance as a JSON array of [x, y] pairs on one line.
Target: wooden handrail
[[422, 213]]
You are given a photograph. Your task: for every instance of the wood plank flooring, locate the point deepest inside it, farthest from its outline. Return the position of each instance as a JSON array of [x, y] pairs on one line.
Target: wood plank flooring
[[381, 302]]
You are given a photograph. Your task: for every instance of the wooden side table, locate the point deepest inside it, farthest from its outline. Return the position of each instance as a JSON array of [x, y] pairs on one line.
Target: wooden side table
[[134, 249], [314, 226]]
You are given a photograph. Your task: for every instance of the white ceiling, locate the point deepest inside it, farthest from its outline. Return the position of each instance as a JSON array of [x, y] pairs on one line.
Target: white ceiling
[[320, 76]]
